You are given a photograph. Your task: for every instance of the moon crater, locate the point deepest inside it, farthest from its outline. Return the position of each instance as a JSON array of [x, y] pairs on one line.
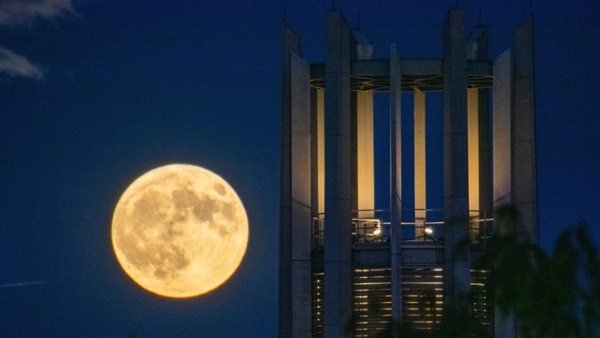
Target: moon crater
[[179, 231]]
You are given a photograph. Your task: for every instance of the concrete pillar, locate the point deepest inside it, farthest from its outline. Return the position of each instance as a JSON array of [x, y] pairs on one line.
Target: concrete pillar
[[478, 50], [480, 186], [504, 324], [295, 251], [524, 168], [502, 121], [301, 198], [473, 144], [365, 148], [396, 182], [514, 130], [365, 159], [420, 165], [514, 143], [318, 151], [456, 193], [291, 43], [338, 210]]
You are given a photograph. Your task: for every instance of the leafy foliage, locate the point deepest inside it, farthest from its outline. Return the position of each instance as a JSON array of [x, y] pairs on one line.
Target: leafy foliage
[[552, 295], [555, 295]]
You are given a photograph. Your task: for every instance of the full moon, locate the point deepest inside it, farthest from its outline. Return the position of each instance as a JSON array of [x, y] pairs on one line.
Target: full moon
[[179, 231]]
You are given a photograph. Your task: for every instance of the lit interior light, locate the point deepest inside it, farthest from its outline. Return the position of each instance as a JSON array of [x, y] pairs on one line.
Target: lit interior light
[[377, 231], [428, 230]]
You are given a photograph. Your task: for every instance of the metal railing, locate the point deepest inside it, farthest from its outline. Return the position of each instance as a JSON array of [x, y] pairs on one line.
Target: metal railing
[[427, 229], [481, 228]]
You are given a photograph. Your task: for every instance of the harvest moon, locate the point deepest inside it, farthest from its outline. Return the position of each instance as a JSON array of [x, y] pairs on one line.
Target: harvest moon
[[179, 231]]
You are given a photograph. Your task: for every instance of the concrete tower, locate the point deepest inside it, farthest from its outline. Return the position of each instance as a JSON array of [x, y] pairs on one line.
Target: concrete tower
[[341, 259]]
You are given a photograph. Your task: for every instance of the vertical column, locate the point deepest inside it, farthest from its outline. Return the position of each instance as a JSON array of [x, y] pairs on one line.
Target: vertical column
[[473, 145], [485, 155], [301, 198], [318, 151], [514, 142], [501, 125], [504, 324], [485, 171], [291, 44], [480, 186], [523, 126], [396, 182], [456, 193], [365, 148], [338, 218], [420, 166], [365, 154]]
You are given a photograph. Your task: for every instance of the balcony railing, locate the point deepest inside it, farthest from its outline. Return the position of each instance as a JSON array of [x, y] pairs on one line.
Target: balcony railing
[[427, 229]]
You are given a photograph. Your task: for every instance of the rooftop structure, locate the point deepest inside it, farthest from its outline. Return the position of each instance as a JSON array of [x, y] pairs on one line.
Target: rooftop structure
[[341, 258]]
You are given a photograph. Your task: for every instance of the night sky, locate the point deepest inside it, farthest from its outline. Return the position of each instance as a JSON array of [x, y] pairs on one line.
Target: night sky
[[95, 93]]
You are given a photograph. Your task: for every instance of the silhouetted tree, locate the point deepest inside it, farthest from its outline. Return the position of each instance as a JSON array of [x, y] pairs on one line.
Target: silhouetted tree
[[555, 295], [551, 295]]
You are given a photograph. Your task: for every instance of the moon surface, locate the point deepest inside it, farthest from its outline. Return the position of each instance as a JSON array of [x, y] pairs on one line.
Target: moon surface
[[179, 231]]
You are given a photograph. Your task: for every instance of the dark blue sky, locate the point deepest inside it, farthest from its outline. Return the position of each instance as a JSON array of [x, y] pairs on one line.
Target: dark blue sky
[[95, 93]]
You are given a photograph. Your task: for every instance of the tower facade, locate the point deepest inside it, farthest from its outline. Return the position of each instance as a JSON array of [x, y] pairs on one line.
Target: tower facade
[[345, 260]]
